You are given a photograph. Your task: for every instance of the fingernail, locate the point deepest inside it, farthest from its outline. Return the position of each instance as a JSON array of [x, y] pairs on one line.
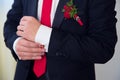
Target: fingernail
[[40, 57], [41, 46]]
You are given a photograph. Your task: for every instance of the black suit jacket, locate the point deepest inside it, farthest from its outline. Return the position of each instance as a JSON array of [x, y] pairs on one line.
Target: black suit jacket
[[73, 49]]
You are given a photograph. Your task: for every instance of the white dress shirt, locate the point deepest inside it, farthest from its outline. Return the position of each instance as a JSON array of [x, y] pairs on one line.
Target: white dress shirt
[[44, 32]]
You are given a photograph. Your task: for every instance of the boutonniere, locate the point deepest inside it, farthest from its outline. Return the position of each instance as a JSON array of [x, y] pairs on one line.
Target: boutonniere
[[70, 11]]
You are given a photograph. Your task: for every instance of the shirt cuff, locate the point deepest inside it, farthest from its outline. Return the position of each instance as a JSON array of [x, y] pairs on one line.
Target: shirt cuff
[[14, 45], [43, 36]]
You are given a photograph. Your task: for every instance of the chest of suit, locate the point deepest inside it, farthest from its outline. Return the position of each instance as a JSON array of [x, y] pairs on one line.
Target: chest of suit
[[30, 8]]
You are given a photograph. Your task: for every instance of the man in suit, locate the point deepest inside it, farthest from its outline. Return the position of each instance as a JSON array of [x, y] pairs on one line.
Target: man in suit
[[71, 45]]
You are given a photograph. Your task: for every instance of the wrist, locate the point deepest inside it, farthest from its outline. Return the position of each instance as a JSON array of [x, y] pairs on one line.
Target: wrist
[[43, 35]]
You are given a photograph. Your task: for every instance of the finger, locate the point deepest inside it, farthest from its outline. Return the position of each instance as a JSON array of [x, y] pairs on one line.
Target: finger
[[20, 28], [20, 33], [29, 56], [36, 54], [29, 44], [32, 50]]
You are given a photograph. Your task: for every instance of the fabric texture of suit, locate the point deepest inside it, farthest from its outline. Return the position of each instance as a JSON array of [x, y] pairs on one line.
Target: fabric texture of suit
[[73, 49]]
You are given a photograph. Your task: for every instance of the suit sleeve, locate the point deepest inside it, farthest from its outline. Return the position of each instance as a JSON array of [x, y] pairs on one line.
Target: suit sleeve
[[10, 27], [97, 45]]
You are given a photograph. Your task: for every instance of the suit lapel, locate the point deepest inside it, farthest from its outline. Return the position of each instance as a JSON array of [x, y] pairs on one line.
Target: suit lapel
[[59, 14]]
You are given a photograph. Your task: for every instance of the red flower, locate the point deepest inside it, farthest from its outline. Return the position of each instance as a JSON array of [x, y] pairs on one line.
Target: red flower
[[70, 11], [67, 15], [67, 8]]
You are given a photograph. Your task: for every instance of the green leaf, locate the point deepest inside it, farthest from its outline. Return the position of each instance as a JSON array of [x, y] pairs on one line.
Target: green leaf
[[63, 10], [70, 3], [74, 9]]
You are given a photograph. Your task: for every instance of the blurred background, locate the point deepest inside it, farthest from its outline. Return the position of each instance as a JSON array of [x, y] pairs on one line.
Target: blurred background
[[108, 71]]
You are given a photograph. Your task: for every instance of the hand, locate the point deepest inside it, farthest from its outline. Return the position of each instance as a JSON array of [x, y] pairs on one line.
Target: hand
[[28, 27], [28, 50]]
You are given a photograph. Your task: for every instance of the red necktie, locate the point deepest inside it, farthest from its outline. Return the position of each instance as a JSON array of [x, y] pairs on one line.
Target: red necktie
[[39, 67]]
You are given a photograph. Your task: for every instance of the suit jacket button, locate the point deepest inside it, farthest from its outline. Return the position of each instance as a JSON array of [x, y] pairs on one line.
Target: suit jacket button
[[57, 54], [60, 54]]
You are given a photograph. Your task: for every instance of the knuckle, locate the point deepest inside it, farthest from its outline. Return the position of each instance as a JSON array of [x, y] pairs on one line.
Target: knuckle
[[17, 33], [17, 48], [18, 27]]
